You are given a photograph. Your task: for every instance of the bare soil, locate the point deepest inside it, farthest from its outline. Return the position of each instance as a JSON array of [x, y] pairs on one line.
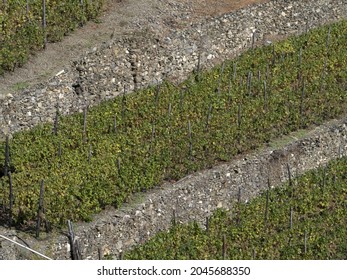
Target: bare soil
[[119, 18]]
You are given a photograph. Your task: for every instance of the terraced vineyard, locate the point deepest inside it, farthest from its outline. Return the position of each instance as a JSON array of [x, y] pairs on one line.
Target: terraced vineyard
[[85, 162], [304, 219], [26, 26]]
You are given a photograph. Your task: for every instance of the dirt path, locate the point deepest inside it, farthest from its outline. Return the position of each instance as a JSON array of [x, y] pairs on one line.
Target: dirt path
[[119, 17]]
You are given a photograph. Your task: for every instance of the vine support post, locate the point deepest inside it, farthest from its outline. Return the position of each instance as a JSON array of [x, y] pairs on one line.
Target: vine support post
[[224, 249], [198, 68], [265, 96], [173, 217], [239, 116], [220, 78], [305, 242], [249, 83], [253, 40], [254, 254], [90, 153], [41, 212], [27, 8], [302, 103], [289, 175], [85, 124], [234, 71], [190, 139], [115, 124], [59, 149], [82, 8], [119, 166], [44, 24], [291, 218], [56, 120], [239, 195], [266, 206], [209, 116], [75, 250], [11, 198], [7, 156]]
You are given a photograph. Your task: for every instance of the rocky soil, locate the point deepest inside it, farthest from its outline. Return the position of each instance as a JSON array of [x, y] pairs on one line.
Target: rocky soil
[[119, 18]]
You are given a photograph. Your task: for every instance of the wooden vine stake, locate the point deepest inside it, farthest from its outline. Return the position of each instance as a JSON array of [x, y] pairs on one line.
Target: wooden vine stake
[[82, 8], [152, 137], [229, 94], [190, 139], [340, 150], [198, 68], [234, 71], [27, 9], [181, 98], [44, 24], [90, 153], [302, 103], [119, 166], [209, 117], [56, 121], [265, 96], [253, 39], [239, 195], [305, 242], [85, 124], [239, 116], [289, 175], [115, 124], [324, 177], [328, 39], [123, 103], [224, 249], [11, 198], [299, 74], [7, 156], [75, 250], [173, 217], [100, 255], [267, 72], [41, 215], [321, 87], [169, 112], [254, 254], [249, 83], [291, 218], [266, 216], [220, 78], [157, 92]]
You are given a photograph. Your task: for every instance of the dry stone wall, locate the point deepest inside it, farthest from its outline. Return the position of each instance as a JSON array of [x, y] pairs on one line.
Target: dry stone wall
[[142, 59]]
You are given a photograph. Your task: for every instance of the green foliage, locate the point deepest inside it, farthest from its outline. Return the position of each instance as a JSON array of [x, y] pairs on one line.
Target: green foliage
[[21, 31], [318, 202], [137, 141]]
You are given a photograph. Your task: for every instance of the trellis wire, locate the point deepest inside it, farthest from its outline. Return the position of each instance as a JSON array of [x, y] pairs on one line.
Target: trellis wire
[[25, 247]]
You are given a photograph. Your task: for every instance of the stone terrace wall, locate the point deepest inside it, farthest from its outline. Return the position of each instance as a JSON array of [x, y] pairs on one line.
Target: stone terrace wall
[[141, 59]]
